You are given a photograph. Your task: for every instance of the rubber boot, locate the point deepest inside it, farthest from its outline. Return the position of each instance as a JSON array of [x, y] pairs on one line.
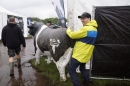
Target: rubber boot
[[19, 62], [11, 65]]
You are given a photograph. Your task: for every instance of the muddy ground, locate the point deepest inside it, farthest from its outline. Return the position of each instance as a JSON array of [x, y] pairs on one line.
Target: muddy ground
[[24, 76]]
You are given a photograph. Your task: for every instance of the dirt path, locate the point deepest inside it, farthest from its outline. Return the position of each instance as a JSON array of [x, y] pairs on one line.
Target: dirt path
[[24, 76]]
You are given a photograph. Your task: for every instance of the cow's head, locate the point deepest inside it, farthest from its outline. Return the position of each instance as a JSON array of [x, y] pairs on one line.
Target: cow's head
[[34, 27]]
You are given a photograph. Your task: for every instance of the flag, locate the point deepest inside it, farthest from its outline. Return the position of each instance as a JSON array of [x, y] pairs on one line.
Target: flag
[[59, 8]]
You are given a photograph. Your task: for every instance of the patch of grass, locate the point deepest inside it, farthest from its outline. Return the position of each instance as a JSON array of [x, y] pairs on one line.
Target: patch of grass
[[51, 73]]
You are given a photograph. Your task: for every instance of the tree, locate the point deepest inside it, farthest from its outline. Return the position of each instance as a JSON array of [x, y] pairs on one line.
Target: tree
[[36, 19], [53, 20]]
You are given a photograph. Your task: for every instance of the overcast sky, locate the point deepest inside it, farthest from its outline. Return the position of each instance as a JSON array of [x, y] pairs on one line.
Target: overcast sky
[[44, 8], [31, 8]]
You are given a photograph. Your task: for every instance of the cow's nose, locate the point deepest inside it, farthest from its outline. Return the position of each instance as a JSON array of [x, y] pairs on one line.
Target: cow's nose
[[29, 26]]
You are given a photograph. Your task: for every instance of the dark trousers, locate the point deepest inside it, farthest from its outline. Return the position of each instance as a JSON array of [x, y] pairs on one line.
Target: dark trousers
[[72, 72]]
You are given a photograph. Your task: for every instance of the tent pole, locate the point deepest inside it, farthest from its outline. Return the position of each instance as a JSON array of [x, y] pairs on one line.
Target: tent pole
[[90, 69], [70, 9], [101, 78], [91, 60], [2, 20]]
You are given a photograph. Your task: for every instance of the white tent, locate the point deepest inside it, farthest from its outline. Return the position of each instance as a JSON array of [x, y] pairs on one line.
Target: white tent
[[77, 7], [3, 20]]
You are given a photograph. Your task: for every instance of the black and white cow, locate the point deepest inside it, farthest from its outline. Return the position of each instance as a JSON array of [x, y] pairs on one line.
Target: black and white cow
[[54, 43]]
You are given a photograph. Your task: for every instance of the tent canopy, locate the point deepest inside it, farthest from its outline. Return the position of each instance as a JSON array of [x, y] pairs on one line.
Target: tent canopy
[[5, 11], [4, 14]]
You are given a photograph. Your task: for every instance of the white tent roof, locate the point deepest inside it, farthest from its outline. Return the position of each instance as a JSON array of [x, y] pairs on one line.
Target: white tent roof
[[5, 11]]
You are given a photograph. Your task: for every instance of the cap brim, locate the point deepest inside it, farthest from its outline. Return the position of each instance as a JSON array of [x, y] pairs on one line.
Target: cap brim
[[81, 16]]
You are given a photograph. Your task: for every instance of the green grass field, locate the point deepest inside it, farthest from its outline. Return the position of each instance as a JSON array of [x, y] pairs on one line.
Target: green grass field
[[50, 72]]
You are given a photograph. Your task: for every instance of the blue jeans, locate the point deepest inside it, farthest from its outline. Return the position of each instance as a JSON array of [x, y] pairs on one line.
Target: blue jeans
[[72, 72]]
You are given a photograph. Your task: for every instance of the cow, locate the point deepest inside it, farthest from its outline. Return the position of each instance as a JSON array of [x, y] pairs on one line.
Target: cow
[[53, 42]]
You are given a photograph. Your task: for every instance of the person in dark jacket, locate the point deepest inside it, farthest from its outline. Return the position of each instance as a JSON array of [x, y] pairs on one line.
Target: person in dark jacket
[[12, 38], [48, 23]]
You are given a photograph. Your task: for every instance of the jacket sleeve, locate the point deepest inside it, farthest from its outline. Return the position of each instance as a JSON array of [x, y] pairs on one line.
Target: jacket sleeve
[[81, 33], [21, 37], [3, 36]]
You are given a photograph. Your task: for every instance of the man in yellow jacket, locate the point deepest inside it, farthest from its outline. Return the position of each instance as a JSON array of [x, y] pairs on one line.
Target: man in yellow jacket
[[83, 48]]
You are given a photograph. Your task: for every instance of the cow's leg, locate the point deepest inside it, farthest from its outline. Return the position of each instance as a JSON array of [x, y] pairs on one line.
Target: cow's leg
[[35, 49], [49, 57], [63, 61], [38, 53]]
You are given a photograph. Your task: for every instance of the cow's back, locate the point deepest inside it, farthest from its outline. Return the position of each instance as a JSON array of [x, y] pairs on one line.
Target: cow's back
[[50, 37]]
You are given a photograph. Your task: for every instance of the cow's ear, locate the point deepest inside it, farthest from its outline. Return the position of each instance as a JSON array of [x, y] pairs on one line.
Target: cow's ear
[[30, 27], [32, 22]]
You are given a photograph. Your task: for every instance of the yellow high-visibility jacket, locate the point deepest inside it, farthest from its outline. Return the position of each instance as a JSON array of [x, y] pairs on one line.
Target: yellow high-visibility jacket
[[84, 45]]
